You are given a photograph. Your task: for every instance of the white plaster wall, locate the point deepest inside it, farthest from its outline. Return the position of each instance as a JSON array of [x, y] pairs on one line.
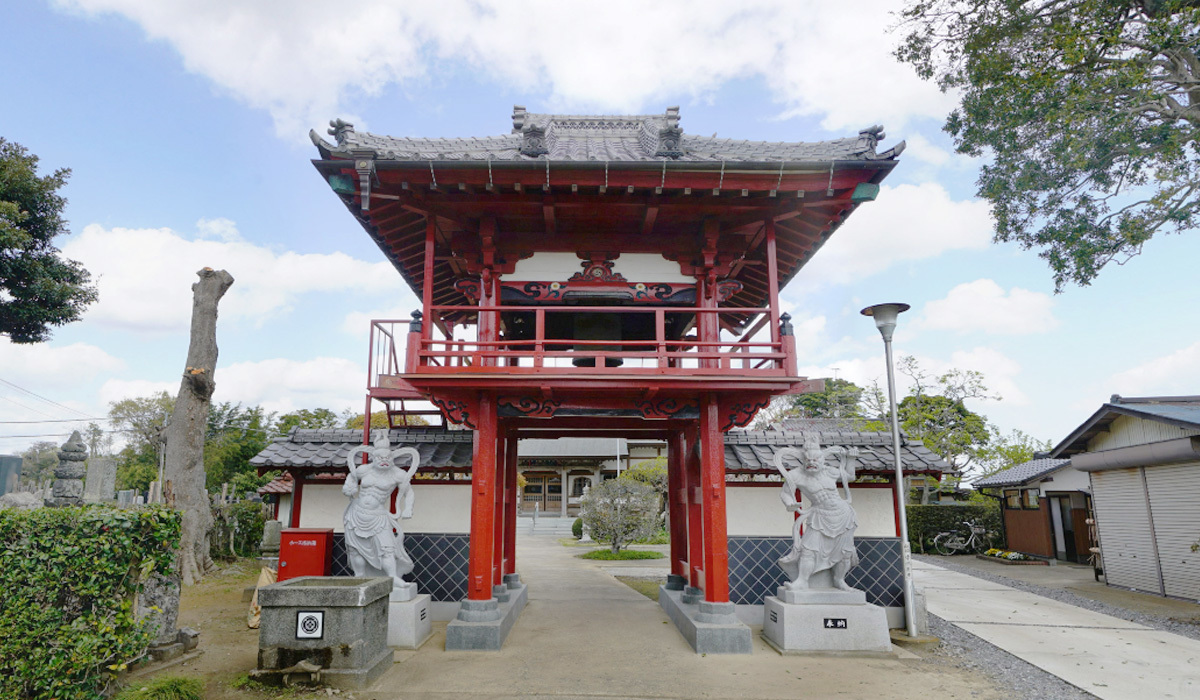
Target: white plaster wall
[[1068, 479], [758, 512], [440, 508], [322, 505], [558, 267], [285, 509], [437, 507]]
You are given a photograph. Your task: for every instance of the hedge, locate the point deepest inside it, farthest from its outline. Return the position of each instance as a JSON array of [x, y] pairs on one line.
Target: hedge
[[70, 576], [925, 522]]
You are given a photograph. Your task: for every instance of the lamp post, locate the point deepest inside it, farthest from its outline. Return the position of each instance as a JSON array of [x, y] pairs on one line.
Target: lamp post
[[885, 320]]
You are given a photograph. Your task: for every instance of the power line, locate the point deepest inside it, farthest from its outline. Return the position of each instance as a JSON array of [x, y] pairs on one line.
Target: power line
[[55, 420], [43, 398]]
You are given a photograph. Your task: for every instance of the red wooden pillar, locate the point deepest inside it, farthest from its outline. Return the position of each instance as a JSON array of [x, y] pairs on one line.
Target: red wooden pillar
[[695, 555], [712, 488], [510, 506], [483, 475], [502, 439], [297, 497], [677, 502]]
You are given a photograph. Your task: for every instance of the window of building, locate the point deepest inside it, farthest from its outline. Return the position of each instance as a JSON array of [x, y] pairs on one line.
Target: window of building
[[1012, 499], [1030, 498], [580, 483]]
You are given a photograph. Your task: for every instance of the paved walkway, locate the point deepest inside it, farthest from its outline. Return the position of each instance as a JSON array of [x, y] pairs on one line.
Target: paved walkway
[[1106, 656], [586, 635]]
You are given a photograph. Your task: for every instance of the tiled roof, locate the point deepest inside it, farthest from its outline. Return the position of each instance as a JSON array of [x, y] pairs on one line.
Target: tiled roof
[[437, 446], [601, 138], [754, 450], [1023, 473]]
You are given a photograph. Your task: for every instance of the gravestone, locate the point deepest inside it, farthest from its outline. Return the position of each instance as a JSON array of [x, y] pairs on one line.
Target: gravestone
[[10, 473], [68, 475], [101, 480]]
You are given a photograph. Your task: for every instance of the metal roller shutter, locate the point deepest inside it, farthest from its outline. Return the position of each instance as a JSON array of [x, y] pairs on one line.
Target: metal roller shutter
[[1123, 521], [1175, 504]]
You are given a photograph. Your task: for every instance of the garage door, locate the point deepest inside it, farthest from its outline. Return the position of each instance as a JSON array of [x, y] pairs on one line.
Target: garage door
[[1175, 503], [1123, 520]]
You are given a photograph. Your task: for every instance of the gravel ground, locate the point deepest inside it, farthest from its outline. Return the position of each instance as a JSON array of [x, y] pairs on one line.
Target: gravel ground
[[1024, 679]]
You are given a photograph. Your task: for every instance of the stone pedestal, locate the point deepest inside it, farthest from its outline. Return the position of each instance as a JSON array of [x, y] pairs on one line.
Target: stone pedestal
[[825, 620], [711, 628], [410, 623], [333, 629], [483, 625]]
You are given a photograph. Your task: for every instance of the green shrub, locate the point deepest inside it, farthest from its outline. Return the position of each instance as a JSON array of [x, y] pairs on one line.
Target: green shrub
[[609, 555], [925, 522], [68, 623], [577, 528], [237, 529], [165, 688]]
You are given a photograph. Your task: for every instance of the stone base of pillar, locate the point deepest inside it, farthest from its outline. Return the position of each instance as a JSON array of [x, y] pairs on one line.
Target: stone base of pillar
[[691, 595], [410, 622], [483, 625], [711, 628], [675, 582], [512, 580], [861, 628]]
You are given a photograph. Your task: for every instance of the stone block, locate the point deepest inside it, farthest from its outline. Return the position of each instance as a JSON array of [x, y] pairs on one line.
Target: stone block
[[484, 625], [332, 628], [410, 622], [825, 627], [711, 628], [821, 596]]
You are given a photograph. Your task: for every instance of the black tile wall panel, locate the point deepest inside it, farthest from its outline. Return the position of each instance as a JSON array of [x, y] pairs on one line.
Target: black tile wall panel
[[754, 573]]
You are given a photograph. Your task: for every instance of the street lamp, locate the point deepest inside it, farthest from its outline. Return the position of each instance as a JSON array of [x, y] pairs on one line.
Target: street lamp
[[885, 320]]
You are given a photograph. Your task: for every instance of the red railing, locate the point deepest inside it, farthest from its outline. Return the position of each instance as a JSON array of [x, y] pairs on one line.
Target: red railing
[[532, 351]]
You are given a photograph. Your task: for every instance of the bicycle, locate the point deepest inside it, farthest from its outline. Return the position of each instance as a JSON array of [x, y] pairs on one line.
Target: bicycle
[[947, 543]]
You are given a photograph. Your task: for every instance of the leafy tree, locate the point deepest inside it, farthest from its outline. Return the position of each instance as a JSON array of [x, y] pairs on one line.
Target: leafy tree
[[1089, 109], [619, 511], [316, 418], [143, 421], [234, 434], [38, 288], [840, 399], [935, 412], [98, 440], [1004, 451], [653, 473], [38, 461], [379, 419]]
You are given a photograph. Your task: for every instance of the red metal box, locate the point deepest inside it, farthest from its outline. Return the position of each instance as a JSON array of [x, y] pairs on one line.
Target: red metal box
[[305, 551]]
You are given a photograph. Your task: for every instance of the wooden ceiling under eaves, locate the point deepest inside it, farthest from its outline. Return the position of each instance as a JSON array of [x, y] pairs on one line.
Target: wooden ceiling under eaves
[[632, 213]]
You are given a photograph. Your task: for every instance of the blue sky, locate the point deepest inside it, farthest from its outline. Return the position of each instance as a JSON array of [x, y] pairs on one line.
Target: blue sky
[[185, 125]]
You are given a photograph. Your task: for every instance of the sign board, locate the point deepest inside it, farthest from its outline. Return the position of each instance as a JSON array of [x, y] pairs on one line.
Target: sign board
[[310, 624], [835, 623]]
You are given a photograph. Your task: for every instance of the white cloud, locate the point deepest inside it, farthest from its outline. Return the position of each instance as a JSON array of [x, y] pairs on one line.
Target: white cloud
[[1170, 375], [284, 385], [48, 365], [907, 223], [145, 275], [984, 306], [999, 372], [115, 390], [301, 61]]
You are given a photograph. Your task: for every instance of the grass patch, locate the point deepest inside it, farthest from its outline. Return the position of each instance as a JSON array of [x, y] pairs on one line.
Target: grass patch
[[646, 586], [623, 555], [165, 688]]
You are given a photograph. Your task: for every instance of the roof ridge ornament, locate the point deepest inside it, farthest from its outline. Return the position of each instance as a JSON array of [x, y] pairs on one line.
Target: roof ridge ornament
[[339, 129]]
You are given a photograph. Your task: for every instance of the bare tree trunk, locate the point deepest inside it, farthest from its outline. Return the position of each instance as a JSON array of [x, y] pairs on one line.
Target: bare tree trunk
[[184, 471]]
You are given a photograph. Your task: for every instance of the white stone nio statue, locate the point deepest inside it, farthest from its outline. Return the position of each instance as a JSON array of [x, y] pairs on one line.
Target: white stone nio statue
[[374, 536]]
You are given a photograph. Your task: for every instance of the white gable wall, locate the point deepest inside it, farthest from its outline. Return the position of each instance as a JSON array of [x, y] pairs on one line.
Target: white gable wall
[[1127, 431]]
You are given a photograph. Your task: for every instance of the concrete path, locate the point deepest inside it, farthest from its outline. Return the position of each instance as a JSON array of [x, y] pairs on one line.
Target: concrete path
[[586, 635], [1106, 656]]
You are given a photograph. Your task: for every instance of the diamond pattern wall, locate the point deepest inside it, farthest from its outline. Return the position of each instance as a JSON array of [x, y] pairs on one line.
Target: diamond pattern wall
[[440, 562], [753, 573]]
